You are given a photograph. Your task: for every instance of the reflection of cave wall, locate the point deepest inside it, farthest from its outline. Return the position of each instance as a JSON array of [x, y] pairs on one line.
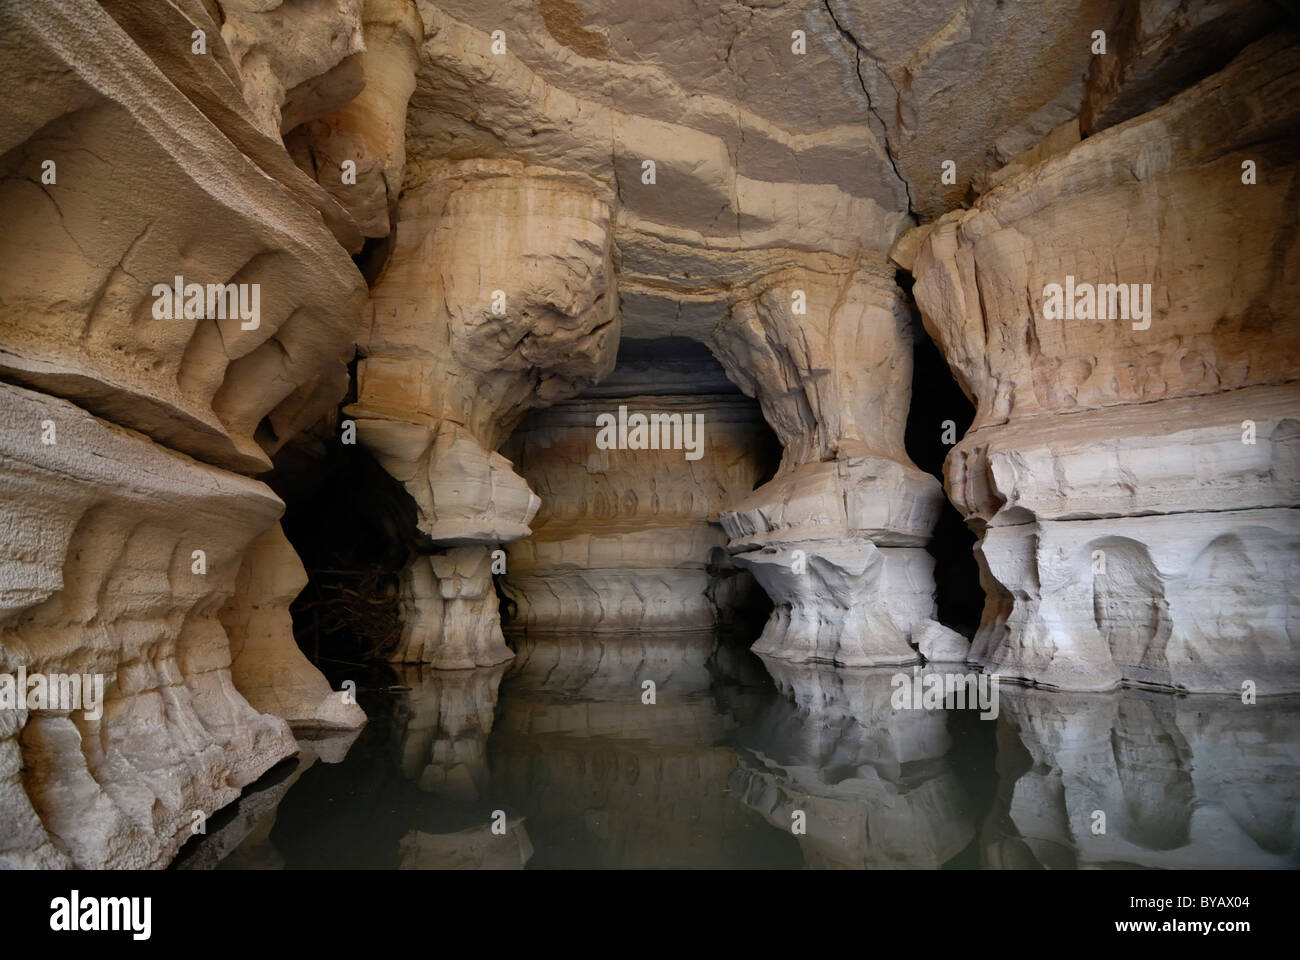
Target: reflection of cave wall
[[630, 539], [606, 780], [1188, 782], [876, 785]]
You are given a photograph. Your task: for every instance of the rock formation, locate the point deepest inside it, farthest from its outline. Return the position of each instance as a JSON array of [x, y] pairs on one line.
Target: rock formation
[[1132, 469], [498, 297], [629, 539], [177, 299], [465, 234]]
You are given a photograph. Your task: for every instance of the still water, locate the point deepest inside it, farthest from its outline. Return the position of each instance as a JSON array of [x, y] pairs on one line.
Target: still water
[[746, 763]]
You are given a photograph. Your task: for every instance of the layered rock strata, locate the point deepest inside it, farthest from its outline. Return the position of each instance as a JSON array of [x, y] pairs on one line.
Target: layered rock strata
[[756, 223], [1132, 467], [629, 539], [837, 537], [498, 297], [172, 273]]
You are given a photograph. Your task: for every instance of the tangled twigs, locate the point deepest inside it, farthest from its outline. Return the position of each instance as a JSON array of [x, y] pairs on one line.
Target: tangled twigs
[[357, 611]]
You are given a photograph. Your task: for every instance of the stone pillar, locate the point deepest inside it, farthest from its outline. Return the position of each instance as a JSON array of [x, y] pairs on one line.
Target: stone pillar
[[498, 298]]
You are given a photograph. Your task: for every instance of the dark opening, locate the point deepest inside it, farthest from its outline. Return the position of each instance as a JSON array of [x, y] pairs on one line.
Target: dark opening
[[936, 398]]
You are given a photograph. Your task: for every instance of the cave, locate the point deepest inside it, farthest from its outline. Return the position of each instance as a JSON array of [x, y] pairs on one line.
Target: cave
[[497, 435]]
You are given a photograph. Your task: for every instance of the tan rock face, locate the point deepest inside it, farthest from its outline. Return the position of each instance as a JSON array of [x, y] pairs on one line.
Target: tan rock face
[[547, 179], [370, 130], [297, 59], [139, 550], [499, 297], [628, 539], [1122, 463], [823, 536], [747, 214], [132, 159], [267, 666], [90, 257]]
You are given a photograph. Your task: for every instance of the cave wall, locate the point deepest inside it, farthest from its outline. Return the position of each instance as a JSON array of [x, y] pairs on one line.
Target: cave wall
[[138, 547], [1133, 478], [480, 219]]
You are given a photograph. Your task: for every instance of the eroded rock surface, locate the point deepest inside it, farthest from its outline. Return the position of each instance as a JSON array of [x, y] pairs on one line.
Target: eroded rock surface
[[135, 159], [499, 297], [1132, 472]]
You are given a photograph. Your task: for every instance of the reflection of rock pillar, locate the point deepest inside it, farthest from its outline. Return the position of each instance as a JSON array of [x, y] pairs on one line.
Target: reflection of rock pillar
[[498, 298], [1141, 779], [443, 739], [837, 536], [449, 611], [902, 805]]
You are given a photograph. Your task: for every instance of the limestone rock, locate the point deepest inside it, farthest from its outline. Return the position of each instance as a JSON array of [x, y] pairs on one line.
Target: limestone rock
[[297, 59], [267, 666], [938, 644], [628, 539], [89, 253], [499, 297], [1133, 474], [370, 130], [836, 528], [102, 575], [450, 616], [474, 848], [1160, 48]]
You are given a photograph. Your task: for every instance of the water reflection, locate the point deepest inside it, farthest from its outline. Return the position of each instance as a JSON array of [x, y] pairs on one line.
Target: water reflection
[[1141, 779], [683, 752], [874, 784], [609, 779]]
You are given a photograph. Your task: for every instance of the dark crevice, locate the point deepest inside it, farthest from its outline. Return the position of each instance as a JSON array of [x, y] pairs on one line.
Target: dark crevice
[[936, 397]]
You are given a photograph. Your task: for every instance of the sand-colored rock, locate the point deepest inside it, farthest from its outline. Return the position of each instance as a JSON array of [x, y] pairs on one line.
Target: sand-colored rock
[[370, 130], [99, 577], [129, 160], [79, 315], [629, 539], [297, 59], [1134, 477], [834, 534], [447, 375], [267, 666]]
